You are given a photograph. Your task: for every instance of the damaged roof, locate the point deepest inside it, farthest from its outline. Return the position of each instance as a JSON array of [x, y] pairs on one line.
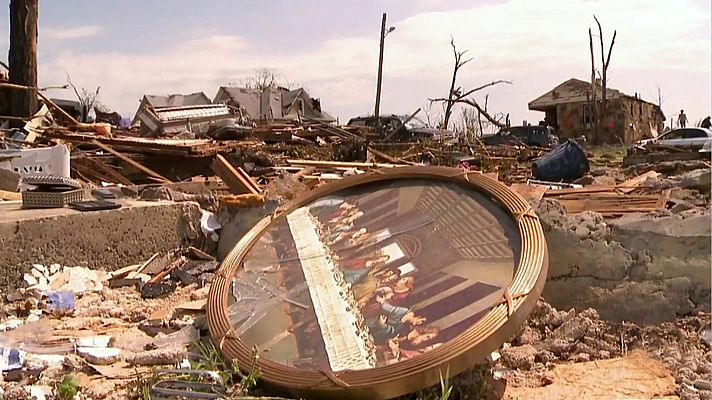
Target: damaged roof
[[177, 100], [249, 99], [575, 91]]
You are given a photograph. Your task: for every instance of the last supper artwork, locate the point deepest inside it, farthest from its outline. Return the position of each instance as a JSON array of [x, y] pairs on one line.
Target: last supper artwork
[[373, 275]]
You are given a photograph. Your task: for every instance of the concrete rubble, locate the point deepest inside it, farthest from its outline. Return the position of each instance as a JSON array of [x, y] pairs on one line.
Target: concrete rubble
[[107, 295]]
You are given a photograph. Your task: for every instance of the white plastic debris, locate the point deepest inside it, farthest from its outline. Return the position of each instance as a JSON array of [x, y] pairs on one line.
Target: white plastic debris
[[11, 358], [39, 392], [209, 224], [94, 341]]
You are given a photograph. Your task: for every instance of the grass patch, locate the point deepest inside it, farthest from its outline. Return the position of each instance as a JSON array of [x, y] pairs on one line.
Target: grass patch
[[68, 388], [211, 359]]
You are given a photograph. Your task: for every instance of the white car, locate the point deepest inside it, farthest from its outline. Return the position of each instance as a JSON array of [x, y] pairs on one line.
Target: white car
[[694, 138]]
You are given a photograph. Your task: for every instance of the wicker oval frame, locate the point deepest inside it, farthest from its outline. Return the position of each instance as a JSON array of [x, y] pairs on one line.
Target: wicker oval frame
[[462, 353]]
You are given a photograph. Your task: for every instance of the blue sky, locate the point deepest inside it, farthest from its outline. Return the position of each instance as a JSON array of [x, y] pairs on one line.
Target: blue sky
[[331, 47]]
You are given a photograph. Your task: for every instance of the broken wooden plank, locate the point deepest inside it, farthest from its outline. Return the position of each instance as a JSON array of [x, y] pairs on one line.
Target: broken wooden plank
[[115, 175], [633, 183], [6, 195], [663, 199], [248, 179], [121, 272], [389, 158], [199, 254], [236, 181], [131, 162], [166, 271], [529, 192], [150, 263], [89, 174], [338, 164]]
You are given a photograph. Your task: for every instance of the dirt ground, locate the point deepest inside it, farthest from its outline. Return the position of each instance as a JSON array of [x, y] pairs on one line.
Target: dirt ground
[[556, 354]]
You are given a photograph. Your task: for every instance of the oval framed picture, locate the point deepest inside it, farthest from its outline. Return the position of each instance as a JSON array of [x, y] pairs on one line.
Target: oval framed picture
[[377, 285]]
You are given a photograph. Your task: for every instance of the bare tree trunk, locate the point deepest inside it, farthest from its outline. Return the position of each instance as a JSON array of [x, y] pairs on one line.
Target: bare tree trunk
[[459, 62], [451, 93], [605, 61], [594, 117], [23, 56]]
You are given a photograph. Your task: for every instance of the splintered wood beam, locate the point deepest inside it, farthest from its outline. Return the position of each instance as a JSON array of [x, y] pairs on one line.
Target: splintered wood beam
[[239, 183], [389, 158], [131, 162], [115, 175]]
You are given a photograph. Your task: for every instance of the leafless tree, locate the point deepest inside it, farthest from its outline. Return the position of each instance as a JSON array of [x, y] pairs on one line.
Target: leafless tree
[[593, 118], [495, 120], [459, 63], [605, 63], [432, 118], [87, 99], [262, 78], [457, 95]]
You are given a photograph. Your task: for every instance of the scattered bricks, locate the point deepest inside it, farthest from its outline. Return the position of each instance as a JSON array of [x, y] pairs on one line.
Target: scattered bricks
[[519, 357], [580, 357], [73, 362], [575, 328], [528, 335], [557, 346], [200, 294], [702, 384], [52, 374], [17, 392], [557, 318], [544, 357], [163, 356]]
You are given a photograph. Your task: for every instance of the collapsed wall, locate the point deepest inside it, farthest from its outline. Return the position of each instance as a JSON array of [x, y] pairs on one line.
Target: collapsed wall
[[104, 240], [639, 268]]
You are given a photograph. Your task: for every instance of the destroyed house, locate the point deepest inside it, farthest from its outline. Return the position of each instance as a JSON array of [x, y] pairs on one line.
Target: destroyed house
[[273, 104], [568, 108], [173, 100], [173, 120]]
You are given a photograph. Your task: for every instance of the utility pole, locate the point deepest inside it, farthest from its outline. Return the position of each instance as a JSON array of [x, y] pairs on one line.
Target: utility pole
[[380, 67], [23, 56]]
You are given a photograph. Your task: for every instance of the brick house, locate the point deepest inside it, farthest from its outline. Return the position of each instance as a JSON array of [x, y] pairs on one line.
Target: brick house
[[567, 108]]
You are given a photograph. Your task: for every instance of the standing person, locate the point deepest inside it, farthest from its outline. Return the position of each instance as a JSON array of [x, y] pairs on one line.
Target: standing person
[[682, 119], [706, 123]]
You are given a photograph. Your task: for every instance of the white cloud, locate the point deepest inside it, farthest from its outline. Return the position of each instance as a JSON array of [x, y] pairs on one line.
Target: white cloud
[[79, 32], [535, 44]]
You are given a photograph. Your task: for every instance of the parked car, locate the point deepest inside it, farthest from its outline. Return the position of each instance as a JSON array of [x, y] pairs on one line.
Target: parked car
[[393, 126], [536, 135], [690, 138]]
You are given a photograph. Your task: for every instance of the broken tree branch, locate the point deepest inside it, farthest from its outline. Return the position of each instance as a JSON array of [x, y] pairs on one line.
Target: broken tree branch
[[484, 87], [459, 63]]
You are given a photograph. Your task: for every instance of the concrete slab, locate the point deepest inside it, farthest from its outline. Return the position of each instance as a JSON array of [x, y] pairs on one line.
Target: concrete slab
[[105, 240]]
